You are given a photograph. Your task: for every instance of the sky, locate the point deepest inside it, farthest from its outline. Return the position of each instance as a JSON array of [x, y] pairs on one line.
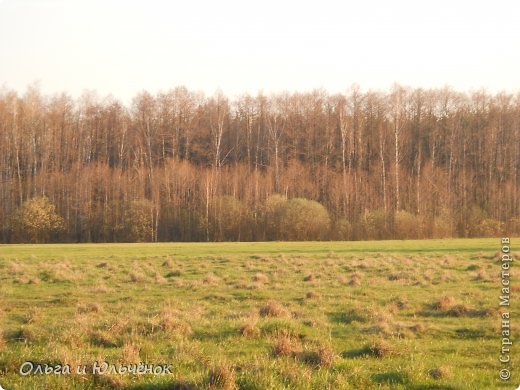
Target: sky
[[121, 47]]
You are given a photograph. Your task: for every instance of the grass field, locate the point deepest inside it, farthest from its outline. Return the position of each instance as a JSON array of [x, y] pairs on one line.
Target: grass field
[[282, 315]]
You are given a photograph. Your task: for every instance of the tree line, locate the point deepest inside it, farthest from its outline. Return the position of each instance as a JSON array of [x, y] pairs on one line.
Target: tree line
[[182, 166]]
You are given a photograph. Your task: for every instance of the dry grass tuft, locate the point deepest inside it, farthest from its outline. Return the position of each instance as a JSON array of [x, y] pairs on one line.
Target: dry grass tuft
[[401, 303], [272, 309], [170, 323], [34, 280], [444, 303], [168, 263], [89, 307], [222, 376], [65, 354], [240, 284], [249, 330], [260, 277], [448, 305], [440, 372], [130, 353], [458, 310], [103, 339], [481, 276], [447, 261], [255, 286], [381, 349], [109, 382], [101, 288], [211, 278], [329, 263], [316, 323], [491, 312], [57, 273], [403, 276], [15, 269], [137, 277], [323, 357], [446, 277], [382, 316], [309, 278], [418, 328], [313, 295], [73, 337], [32, 315], [357, 313], [285, 345], [159, 279], [27, 334], [383, 328], [355, 280]]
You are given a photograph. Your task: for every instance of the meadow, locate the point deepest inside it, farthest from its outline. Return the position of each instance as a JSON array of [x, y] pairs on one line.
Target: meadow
[[277, 315]]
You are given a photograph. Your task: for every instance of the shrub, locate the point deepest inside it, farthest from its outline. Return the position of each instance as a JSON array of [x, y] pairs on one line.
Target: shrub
[[442, 227], [343, 229], [231, 217], [481, 225], [304, 219], [488, 227], [272, 212], [138, 221], [36, 221], [406, 225], [129, 221], [375, 225], [295, 219]]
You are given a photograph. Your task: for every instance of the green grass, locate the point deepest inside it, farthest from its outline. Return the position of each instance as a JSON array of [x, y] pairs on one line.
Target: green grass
[[309, 315]]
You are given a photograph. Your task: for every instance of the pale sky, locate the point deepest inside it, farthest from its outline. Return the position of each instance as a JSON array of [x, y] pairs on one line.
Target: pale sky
[[121, 47]]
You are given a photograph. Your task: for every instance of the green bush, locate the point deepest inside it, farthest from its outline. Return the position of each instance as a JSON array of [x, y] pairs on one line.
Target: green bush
[[304, 219], [273, 213], [295, 219]]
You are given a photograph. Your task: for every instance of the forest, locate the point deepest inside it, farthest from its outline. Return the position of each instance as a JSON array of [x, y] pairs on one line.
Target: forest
[[407, 163]]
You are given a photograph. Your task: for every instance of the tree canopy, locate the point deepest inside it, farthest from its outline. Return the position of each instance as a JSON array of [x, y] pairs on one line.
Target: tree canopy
[[182, 166]]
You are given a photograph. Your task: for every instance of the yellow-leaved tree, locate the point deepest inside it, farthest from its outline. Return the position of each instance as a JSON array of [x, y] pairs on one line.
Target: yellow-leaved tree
[[36, 221]]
